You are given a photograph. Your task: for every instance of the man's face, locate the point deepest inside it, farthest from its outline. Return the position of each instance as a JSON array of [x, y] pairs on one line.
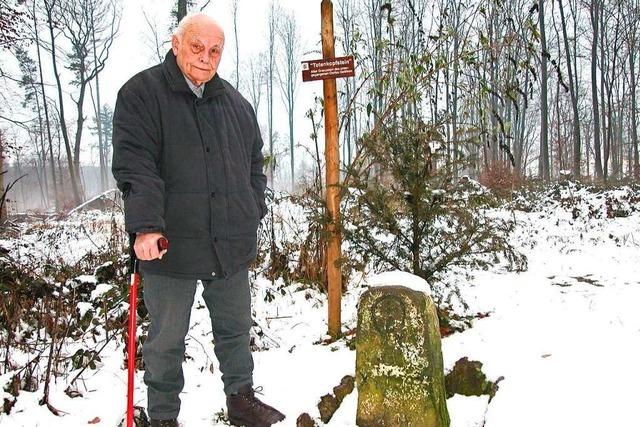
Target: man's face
[[198, 51]]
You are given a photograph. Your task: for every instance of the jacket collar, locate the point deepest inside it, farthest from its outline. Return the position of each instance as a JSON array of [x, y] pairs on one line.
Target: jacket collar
[[177, 82]]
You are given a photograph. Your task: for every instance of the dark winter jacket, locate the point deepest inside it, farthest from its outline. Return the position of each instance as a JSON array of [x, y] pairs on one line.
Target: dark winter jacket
[[190, 168]]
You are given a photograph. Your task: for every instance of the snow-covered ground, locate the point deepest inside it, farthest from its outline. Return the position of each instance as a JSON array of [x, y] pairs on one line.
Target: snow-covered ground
[[565, 335]]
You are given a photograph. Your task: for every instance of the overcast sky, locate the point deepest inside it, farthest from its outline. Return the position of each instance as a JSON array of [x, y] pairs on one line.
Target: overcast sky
[[130, 54]]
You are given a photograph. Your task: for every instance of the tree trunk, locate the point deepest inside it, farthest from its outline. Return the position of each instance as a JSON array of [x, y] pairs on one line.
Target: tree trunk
[[101, 142], [544, 107], [78, 139], [234, 10], [559, 140], [605, 111], [41, 152], [3, 202], [46, 113], [270, 70], [574, 98], [345, 20], [634, 114], [292, 149], [63, 125], [595, 17], [182, 10], [288, 76], [36, 167]]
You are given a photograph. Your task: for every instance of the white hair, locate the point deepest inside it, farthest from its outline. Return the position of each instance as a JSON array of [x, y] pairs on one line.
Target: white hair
[[188, 20]]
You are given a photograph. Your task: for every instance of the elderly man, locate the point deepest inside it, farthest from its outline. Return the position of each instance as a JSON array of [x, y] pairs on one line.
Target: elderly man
[[187, 157]]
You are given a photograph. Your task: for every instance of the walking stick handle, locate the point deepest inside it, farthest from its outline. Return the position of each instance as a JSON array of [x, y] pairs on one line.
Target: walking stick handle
[[163, 244]]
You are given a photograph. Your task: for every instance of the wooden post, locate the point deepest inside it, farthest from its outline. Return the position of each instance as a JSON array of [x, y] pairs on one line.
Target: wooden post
[[3, 194], [332, 156]]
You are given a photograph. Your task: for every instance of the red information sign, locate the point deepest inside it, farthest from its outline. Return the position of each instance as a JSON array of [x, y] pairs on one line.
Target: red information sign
[[322, 69]]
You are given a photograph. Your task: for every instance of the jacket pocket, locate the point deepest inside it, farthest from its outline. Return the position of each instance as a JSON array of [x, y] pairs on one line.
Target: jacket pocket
[[243, 213], [242, 248]]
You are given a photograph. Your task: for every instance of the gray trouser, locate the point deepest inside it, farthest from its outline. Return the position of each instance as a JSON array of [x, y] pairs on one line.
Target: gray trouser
[[169, 302]]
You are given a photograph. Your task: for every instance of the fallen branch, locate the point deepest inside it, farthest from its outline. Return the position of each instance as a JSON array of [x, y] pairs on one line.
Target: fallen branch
[[95, 355]]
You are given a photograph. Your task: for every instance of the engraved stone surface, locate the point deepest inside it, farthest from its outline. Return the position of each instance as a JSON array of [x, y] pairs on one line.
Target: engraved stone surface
[[399, 369]]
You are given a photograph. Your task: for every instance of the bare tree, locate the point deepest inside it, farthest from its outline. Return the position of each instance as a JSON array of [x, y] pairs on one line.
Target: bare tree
[[572, 77], [288, 75], [631, 38], [45, 103], [594, 11], [102, 151], [103, 118], [154, 38], [375, 46], [181, 10], [347, 21], [273, 17], [81, 23], [11, 24], [544, 107], [50, 7], [3, 191], [234, 14], [31, 87], [256, 80]]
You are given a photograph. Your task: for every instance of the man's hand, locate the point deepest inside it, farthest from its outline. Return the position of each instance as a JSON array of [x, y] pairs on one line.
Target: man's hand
[[146, 246]]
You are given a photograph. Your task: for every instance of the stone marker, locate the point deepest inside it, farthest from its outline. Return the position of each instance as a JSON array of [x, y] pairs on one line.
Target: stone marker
[[399, 368]]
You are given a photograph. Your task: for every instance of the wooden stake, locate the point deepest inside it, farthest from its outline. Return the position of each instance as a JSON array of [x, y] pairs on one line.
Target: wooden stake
[[332, 156]]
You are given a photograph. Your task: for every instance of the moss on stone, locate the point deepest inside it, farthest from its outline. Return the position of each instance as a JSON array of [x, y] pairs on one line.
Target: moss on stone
[[327, 407], [345, 387], [466, 378], [305, 420]]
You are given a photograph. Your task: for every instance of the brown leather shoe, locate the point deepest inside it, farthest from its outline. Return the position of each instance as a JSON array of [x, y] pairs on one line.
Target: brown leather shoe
[[164, 423], [245, 409]]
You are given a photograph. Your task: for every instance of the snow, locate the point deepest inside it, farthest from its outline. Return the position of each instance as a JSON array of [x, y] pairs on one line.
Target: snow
[[467, 411], [100, 290], [86, 278], [564, 335], [84, 307], [399, 278]]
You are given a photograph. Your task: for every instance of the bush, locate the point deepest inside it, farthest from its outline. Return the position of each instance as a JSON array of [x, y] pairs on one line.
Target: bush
[[51, 319], [408, 212], [501, 179]]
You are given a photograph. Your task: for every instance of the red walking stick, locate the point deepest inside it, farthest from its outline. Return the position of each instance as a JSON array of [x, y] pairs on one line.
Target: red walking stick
[[163, 244]]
